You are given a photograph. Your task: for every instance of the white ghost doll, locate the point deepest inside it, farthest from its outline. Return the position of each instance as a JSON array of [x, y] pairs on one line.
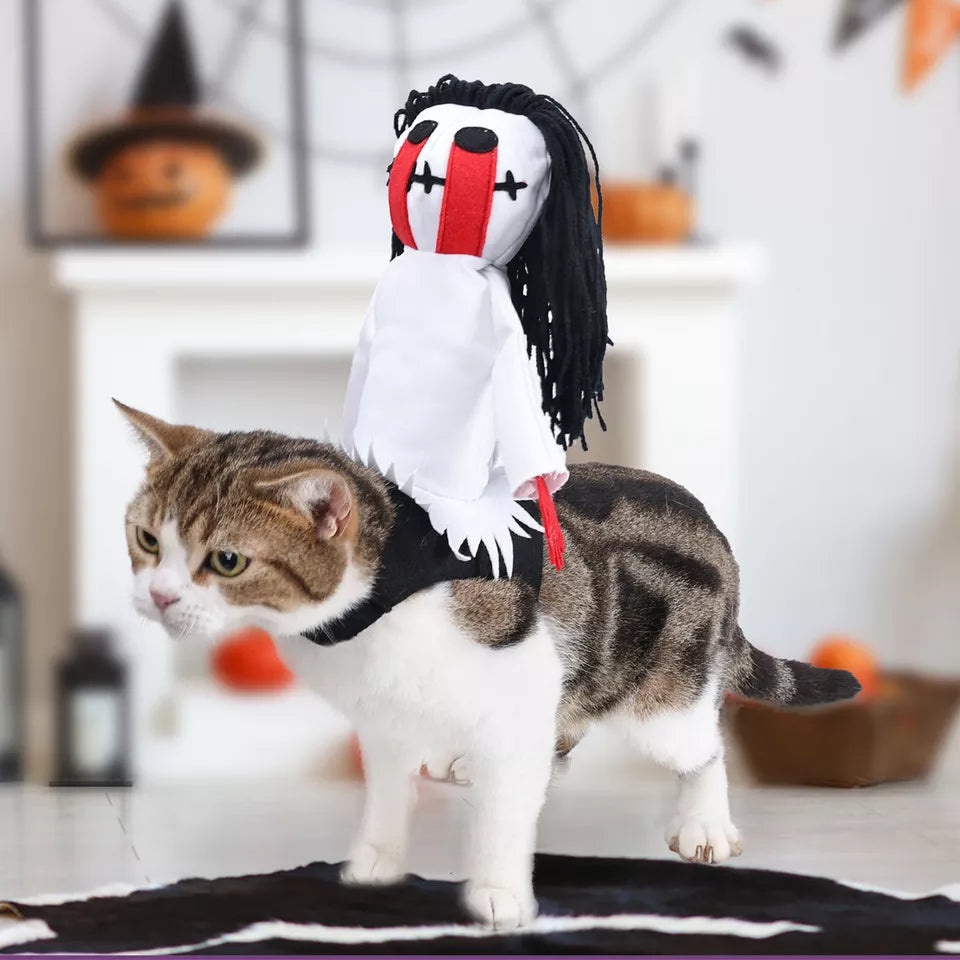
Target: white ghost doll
[[481, 353]]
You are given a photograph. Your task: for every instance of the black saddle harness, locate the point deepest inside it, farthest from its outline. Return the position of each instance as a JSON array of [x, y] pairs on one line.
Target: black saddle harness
[[416, 557]]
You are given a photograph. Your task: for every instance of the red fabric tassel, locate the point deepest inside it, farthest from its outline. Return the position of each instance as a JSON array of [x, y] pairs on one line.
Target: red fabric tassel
[[552, 531]]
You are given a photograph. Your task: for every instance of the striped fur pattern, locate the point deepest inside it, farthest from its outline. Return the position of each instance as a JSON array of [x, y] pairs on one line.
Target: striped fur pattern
[[645, 606]]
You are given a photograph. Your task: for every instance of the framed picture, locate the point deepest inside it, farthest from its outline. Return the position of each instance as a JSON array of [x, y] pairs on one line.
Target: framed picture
[[165, 121]]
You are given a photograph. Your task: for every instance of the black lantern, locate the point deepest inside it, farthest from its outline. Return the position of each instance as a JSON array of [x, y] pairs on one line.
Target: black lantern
[[93, 734], [11, 680]]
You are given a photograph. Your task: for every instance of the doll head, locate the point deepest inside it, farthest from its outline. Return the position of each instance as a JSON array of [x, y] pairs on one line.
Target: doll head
[[468, 180], [500, 172]]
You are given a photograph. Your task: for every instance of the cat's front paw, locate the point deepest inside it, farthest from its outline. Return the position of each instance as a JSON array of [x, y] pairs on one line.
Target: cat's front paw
[[499, 908], [703, 840], [371, 866]]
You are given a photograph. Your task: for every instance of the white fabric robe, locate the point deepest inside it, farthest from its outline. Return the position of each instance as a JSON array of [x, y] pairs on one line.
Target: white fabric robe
[[444, 398]]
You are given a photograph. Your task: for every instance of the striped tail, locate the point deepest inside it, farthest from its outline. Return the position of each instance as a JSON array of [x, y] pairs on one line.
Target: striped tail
[[788, 683]]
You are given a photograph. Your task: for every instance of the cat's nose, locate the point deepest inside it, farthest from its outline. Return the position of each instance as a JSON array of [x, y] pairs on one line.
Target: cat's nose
[[162, 598]]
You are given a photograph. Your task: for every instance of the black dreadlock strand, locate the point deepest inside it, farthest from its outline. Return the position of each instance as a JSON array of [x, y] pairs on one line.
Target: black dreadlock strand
[[557, 281]]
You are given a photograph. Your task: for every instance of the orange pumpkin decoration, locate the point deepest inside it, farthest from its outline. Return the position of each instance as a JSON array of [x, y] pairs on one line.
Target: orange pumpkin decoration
[[163, 189], [646, 213], [841, 652], [248, 660], [164, 170]]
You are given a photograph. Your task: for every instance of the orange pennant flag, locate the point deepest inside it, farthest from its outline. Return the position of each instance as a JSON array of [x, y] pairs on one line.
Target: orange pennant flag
[[932, 25]]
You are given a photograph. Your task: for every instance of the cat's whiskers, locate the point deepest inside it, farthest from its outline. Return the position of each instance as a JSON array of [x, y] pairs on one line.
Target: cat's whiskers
[[191, 624]]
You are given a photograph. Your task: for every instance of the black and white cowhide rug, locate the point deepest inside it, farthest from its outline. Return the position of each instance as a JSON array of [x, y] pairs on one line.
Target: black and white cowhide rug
[[587, 906]]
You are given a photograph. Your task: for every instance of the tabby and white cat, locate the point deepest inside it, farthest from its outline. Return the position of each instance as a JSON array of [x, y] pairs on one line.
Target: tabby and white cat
[[474, 679]]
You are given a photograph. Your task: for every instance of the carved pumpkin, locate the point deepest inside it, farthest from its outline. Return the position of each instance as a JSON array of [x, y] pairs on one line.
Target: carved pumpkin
[[164, 169], [646, 213], [163, 189]]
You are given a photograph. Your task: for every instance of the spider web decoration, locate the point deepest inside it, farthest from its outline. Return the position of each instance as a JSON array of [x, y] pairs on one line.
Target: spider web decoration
[[401, 61]]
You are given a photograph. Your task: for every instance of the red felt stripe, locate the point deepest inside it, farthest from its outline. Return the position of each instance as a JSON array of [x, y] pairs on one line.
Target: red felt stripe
[[467, 198], [403, 166]]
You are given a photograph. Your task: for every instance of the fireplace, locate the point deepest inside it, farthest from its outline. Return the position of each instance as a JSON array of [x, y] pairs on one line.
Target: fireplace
[[241, 340]]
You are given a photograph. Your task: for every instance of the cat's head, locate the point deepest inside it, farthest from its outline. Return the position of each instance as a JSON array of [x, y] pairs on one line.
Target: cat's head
[[250, 529]]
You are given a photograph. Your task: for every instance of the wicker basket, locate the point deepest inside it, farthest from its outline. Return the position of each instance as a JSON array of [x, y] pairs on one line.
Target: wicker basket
[[895, 735]]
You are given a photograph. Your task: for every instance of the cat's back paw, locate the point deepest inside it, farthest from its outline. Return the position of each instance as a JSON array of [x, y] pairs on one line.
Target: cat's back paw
[[704, 840], [371, 866], [499, 908]]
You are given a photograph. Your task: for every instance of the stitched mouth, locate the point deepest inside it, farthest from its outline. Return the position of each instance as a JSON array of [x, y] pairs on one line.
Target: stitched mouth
[[154, 201], [509, 185]]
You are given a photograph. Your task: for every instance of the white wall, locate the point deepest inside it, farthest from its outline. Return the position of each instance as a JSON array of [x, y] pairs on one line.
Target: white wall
[[851, 349]]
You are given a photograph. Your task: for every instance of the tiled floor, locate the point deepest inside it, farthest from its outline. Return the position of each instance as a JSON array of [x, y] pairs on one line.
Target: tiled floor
[[901, 836]]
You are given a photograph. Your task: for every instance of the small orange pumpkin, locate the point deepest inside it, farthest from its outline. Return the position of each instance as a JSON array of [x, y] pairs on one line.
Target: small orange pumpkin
[[840, 652], [162, 189], [248, 660], [646, 213]]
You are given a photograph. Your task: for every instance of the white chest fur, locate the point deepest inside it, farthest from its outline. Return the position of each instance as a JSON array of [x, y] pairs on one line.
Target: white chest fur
[[422, 692], [417, 680]]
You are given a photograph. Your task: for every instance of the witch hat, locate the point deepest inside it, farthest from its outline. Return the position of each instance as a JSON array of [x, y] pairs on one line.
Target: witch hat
[[164, 106], [168, 78]]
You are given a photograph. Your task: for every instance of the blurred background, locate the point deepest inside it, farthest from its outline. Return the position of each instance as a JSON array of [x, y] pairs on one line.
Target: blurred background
[[783, 211]]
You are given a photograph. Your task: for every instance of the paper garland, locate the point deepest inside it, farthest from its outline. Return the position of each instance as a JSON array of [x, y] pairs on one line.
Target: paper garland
[[856, 17], [932, 26]]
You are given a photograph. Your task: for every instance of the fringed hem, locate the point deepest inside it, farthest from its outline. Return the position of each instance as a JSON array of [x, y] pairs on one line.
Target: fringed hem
[[490, 521]]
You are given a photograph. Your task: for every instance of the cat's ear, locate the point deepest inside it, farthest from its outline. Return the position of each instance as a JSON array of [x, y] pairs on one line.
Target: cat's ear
[[161, 439], [318, 492]]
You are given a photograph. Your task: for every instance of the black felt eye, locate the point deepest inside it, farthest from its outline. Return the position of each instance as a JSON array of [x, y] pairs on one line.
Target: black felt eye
[[421, 131], [476, 139]]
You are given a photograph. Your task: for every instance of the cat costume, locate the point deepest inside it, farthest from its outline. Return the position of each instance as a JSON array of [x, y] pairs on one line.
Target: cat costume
[[481, 354], [498, 267]]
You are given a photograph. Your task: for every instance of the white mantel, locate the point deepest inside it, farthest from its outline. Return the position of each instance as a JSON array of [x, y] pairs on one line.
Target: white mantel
[[700, 267], [140, 314]]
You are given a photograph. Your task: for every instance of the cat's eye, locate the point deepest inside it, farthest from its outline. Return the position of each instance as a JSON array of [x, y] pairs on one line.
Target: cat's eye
[[227, 563], [147, 541]]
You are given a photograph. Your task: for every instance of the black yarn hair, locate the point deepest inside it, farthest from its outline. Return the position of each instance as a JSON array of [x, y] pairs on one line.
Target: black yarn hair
[[557, 281]]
